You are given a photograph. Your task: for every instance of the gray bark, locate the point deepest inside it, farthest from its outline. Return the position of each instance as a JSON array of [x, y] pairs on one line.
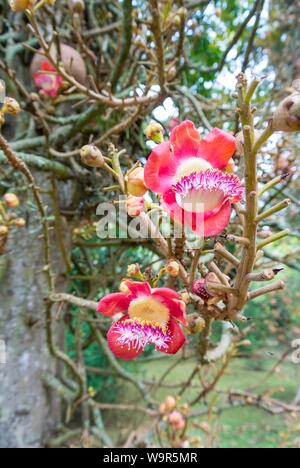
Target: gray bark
[[28, 412]]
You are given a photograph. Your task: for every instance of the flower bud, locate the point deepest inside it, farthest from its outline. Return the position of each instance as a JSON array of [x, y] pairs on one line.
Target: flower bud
[[171, 74], [77, 6], [20, 5], [162, 409], [200, 287], [11, 106], [185, 409], [155, 132], [196, 325], [20, 223], [136, 183], [11, 200], [3, 231], [92, 156], [175, 417], [135, 206], [133, 270], [177, 20], [176, 420], [287, 116], [170, 403], [173, 268]]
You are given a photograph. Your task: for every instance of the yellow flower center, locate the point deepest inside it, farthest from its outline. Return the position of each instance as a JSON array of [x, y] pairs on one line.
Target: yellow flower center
[[148, 310]]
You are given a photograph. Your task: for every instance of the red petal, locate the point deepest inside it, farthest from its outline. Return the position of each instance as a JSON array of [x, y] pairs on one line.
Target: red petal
[[166, 292], [214, 225], [46, 66], [177, 338], [176, 308], [120, 351], [160, 168], [113, 304], [138, 289], [217, 148], [204, 224], [185, 139]]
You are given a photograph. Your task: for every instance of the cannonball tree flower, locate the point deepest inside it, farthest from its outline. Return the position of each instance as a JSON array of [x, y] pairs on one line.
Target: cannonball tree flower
[[48, 80], [190, 174], [150, 317]]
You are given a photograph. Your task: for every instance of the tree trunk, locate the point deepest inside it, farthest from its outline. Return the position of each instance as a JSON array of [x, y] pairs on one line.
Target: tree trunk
[[28, 412]]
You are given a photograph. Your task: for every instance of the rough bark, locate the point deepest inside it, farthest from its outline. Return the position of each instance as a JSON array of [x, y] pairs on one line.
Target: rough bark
[[28, 412]]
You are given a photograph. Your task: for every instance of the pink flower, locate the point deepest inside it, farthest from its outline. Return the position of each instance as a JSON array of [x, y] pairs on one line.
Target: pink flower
[[150, 318], [48, 80], [190, 174]]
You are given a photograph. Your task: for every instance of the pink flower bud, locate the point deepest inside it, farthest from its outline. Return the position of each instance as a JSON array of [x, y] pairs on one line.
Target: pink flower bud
[[92, 156], [200, 287], [177, 421], [287, 116], [20, 223], [135, 206], [136, 183], [11, 200]]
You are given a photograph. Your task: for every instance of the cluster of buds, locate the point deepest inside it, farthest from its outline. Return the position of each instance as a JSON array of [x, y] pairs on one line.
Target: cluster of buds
[[10, 107], [8, 218], [175, 416]]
